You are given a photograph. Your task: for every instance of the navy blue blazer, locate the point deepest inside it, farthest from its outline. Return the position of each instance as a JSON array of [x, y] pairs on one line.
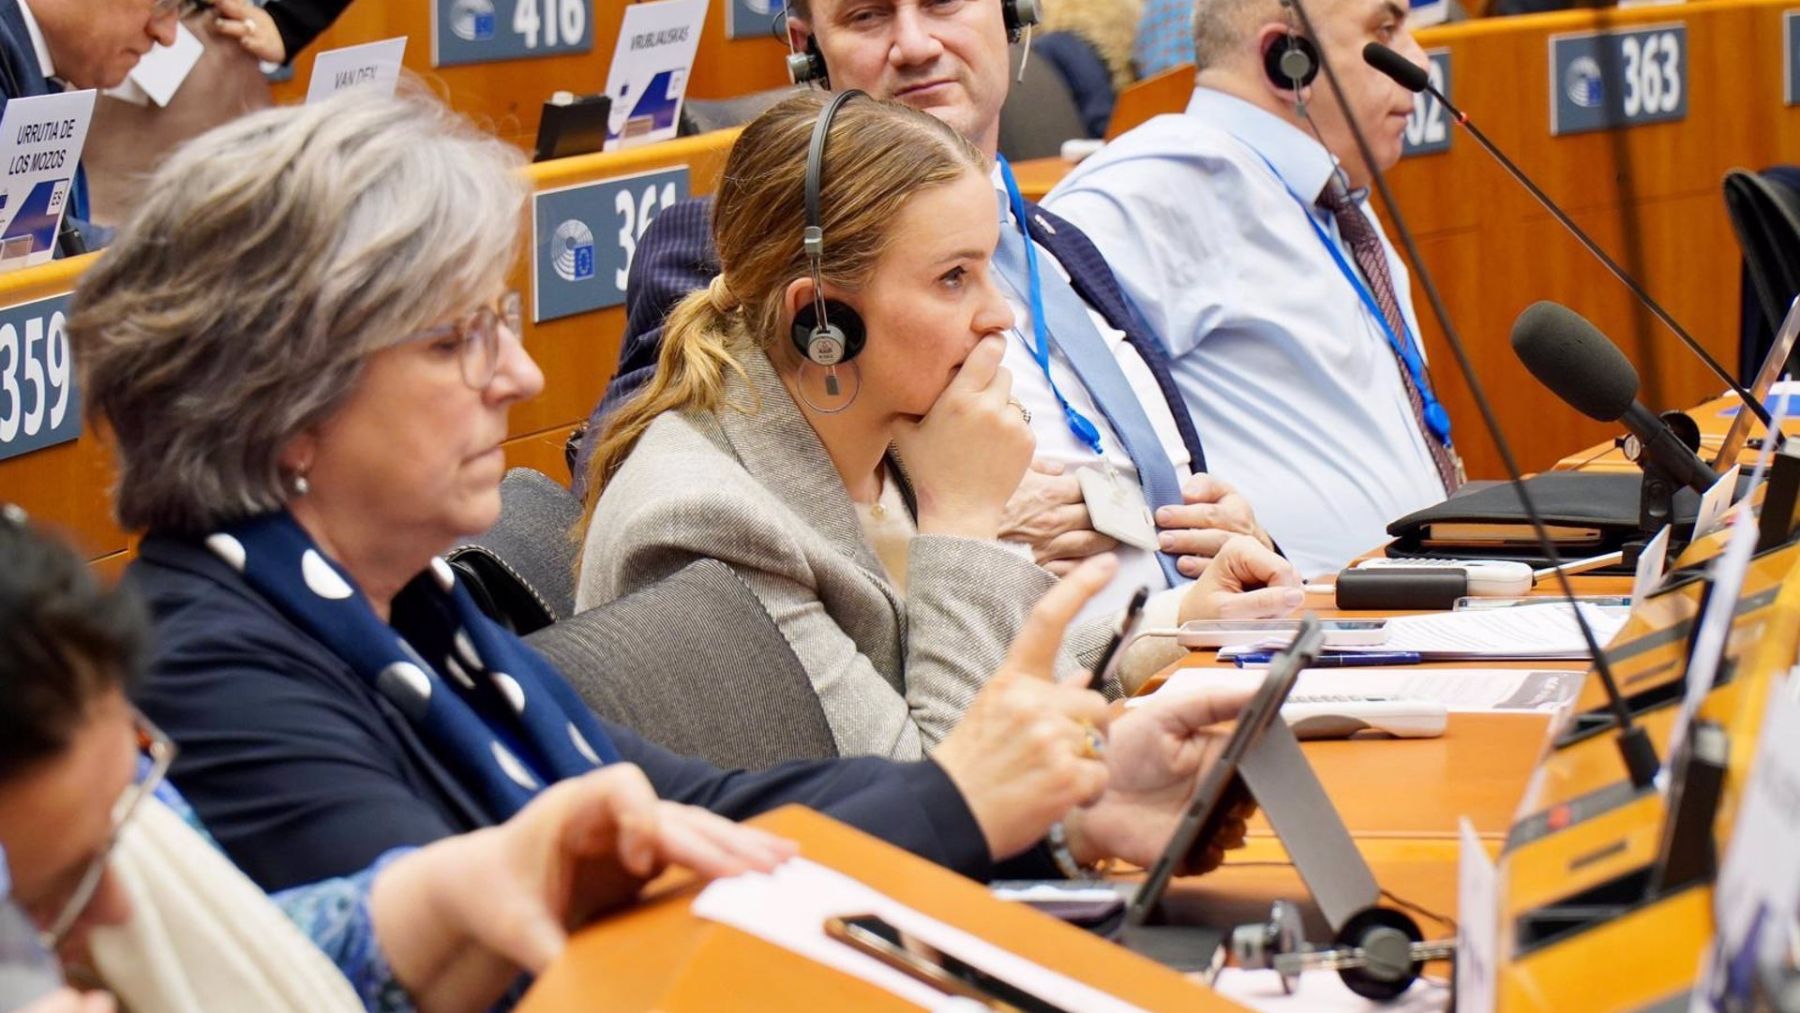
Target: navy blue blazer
[[22, 77], [675, 256], [301, 771]]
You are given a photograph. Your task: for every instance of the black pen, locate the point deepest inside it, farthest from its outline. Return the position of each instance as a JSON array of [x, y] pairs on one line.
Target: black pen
[[1109, 658]]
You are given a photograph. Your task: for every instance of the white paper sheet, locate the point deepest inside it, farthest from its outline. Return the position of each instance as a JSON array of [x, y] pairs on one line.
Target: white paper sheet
[[1458, 689], [788, 907], [1525, 632], [1477, 924], [158, 76], [1322, 992]]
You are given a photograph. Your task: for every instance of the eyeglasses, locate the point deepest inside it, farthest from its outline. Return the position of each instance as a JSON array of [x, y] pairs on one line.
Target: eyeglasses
[[161, 749], [480, 334]]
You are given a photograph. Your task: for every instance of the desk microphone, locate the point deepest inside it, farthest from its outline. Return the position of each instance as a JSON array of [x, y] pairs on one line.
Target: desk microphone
[[1569, 355], [1414, 78], [1635, 749]]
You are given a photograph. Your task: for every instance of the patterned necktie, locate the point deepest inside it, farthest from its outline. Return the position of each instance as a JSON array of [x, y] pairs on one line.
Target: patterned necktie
[[1073, 332], [1371, 259]]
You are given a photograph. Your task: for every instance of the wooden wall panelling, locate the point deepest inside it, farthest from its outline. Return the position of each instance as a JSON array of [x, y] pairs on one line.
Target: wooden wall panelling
[[507, 96]]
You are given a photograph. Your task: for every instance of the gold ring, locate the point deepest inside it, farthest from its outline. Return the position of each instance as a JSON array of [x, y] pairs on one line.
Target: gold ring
[[1024, 412], [1093, 746]]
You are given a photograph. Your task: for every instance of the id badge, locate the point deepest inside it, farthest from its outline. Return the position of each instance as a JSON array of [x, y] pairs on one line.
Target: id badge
[[1117, 508]]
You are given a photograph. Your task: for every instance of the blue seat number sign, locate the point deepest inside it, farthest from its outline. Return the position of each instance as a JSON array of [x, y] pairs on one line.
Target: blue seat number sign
[[480, 31], [584, 236], [1428, 128], [1607, 80], [39, 404]]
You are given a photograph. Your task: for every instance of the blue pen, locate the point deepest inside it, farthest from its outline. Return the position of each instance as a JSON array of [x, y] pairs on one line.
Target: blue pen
[[1355, 660]]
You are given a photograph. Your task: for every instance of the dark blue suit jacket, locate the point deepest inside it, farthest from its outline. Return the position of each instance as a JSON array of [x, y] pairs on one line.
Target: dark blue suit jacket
[[22, 77], [675, 256], [301, 771]]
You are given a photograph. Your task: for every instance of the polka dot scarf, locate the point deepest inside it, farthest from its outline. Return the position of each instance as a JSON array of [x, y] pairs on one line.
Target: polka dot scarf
[[488, 706]]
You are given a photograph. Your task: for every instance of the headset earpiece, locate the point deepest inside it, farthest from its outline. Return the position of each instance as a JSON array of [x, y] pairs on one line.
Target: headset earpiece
[[1020, 15], [808, 66], [826, 332], [1291, 61], [839, 340]]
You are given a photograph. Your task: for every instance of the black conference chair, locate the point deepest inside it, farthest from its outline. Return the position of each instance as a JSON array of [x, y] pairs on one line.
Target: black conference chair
[[1765, 213], [694, 663], [704, 115], [522, 570], [1039, 114]]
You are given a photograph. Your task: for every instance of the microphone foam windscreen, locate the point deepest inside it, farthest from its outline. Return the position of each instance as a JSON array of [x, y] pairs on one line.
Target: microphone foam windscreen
[[1405, 73], [1570, 356]]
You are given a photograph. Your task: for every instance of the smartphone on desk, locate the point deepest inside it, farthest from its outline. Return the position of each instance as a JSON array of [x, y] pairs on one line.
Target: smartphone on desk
[[1277, 632], [918, 959]]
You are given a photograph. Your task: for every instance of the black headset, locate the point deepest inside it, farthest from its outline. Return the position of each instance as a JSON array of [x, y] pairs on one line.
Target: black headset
[[827, 332], [808, 66], [1291, 61]]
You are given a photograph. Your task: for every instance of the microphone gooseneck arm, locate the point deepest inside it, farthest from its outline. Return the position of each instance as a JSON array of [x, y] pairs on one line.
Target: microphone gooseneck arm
[[1635, 747], [1384, 62]]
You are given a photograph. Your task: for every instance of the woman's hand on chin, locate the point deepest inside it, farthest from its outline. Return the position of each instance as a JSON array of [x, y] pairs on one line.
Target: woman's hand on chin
[[966, 456], [1246, 580]]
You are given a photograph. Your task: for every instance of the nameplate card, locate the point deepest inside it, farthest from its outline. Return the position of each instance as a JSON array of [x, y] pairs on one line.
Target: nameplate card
[[1758, 889], [484, 31], [650, 68], [1477, 924], [1790, 49], [40, 146], [373, 65], [1428, 128], [584, 236], [39, 404], [1609, 80], [755, 19]]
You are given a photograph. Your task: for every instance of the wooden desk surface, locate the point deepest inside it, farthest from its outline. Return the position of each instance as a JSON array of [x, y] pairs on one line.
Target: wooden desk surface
[[659, 955]]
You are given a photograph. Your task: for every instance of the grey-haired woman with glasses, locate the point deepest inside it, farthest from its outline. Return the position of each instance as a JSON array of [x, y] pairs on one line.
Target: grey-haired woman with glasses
[[101, 860]]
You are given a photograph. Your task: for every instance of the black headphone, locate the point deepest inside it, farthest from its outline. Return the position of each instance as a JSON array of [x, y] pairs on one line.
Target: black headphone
[[808, 66], [827, 332], [1291, 61]]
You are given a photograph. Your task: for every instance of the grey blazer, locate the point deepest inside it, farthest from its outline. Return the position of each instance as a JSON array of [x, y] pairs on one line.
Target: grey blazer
[[751, 485]]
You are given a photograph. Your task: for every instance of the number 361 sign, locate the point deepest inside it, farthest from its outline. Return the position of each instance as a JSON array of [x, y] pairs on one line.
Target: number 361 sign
[[584, 237]]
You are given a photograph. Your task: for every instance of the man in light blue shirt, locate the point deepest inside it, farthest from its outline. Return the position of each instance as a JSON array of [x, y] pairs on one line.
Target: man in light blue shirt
[[1262, 269]]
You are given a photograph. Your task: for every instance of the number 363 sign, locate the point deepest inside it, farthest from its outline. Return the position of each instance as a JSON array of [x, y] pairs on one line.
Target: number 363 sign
[[1605, 80]]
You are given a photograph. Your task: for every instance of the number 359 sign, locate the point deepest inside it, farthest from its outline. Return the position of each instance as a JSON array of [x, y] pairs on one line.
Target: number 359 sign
[[477, 31], [39, 406], [1602, 80], [584, 237]]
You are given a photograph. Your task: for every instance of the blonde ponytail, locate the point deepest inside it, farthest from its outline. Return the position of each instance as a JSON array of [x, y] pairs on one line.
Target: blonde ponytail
[[697, 340]]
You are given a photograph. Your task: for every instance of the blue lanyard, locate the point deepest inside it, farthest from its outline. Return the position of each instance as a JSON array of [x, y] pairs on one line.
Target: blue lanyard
[[1436, 418], [1079, 424]]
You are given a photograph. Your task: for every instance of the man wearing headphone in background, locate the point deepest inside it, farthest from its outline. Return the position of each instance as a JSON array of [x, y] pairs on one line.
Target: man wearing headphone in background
[[1092, 381], [1243, 231]]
